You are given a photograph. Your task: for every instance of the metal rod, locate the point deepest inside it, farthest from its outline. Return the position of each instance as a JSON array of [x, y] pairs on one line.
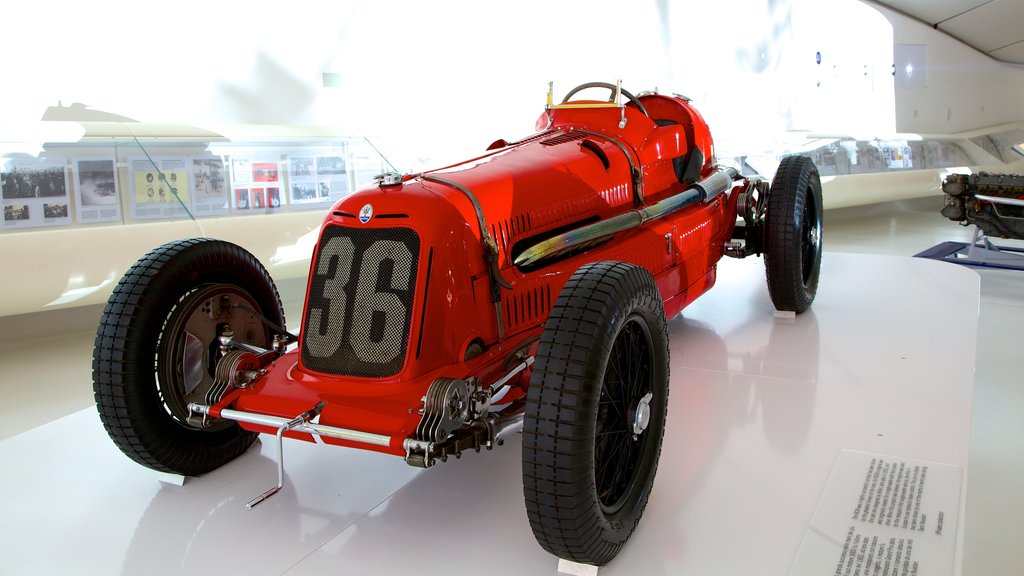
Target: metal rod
[[299, 420], [1000, 200], [306, 427], [708, 188], [528, 361], [280, 471]]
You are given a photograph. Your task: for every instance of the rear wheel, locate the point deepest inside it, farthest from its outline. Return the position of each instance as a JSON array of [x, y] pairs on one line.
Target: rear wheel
[[157, 346], [793, 234], [595, 412]]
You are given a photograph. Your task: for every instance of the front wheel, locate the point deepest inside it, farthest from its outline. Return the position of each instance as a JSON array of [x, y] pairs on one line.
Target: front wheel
[[793, 234], [595, 413], [158, 344]]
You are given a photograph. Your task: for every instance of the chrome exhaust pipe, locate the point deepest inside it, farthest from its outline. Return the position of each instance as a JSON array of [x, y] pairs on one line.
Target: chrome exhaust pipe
[[714, 185]]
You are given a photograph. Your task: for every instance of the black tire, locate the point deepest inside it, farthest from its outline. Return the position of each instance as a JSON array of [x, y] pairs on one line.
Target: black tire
[[587, 474], [793, 234], [139, 355]]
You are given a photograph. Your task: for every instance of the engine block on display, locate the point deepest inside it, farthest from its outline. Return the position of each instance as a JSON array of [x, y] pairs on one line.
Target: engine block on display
[[992, 202]]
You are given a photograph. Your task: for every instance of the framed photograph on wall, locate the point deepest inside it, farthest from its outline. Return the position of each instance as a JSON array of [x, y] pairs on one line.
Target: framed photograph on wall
[[301, 167], [209, 186], [243, 199], [266, 176], [251, 180], [96, 193], [273, 197], [302, 180], [34, 192], [332, 178], [265, 172], [159, 188]]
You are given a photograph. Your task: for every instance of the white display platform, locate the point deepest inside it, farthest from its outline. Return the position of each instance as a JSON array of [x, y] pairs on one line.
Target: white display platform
[[760, 408]]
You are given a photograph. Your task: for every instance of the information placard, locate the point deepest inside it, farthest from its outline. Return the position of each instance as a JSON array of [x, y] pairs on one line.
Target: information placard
[[159, 188], [883, 516]]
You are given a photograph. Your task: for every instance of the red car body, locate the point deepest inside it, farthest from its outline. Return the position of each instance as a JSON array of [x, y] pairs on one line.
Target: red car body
[[547, 182]]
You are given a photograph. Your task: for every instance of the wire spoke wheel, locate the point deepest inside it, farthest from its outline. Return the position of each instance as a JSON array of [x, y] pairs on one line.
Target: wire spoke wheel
[[595, 413], [619, 446]]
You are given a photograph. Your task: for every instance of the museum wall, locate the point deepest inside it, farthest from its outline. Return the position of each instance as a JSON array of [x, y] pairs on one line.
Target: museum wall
[[430, 83], [959, 88], [435, 80]]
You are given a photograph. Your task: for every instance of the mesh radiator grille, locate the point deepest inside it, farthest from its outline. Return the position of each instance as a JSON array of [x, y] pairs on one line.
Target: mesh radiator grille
[[360, 301]]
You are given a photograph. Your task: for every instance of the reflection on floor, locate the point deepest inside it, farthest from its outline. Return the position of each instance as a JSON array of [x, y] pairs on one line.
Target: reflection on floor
[[45, 375], [995, 504]]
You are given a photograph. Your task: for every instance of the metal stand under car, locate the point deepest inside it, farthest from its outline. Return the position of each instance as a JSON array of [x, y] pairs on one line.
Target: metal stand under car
[[994, 204]]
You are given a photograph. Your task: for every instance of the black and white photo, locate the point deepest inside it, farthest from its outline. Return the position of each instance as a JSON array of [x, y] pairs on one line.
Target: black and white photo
[[33, 179], [209, 186], [16, 212], [32, 190], [96, 190], [330, 165], [304, 192], [301, 167], [55, 211]]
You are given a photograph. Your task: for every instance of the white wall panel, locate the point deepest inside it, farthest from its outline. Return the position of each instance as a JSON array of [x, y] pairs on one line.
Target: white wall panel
[[966, 89]]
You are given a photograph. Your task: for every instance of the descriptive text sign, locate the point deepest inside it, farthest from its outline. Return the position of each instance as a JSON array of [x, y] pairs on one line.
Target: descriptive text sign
[[883, 516]]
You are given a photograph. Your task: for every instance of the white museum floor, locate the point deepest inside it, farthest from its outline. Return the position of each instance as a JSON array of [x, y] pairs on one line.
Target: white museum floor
[[760, 408]]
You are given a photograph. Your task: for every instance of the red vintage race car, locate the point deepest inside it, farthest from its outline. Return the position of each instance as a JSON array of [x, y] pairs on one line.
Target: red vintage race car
[[524, 290]]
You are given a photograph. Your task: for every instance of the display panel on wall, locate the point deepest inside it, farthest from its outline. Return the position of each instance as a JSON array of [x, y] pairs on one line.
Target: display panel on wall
[[35, 192], [256, 184], [318, 180], [122, 180], [209, 184], [158, 188], [96, 190]]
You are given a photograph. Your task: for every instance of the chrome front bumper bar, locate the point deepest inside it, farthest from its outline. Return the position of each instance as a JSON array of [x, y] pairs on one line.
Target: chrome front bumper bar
[[303, 426], [500, 427]]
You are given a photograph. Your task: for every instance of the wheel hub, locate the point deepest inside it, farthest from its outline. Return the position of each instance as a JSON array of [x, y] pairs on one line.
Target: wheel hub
[[642, 415], [813, 235]]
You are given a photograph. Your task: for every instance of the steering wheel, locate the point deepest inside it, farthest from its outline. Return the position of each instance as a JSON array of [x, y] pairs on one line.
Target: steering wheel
[[611, 98]]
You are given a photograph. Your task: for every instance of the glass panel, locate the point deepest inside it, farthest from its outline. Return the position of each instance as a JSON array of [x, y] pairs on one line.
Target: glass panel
[[109, 175], [1006, 146]]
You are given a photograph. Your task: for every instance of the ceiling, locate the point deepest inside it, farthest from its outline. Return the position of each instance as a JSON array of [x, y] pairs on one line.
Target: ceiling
[[995, 27]]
